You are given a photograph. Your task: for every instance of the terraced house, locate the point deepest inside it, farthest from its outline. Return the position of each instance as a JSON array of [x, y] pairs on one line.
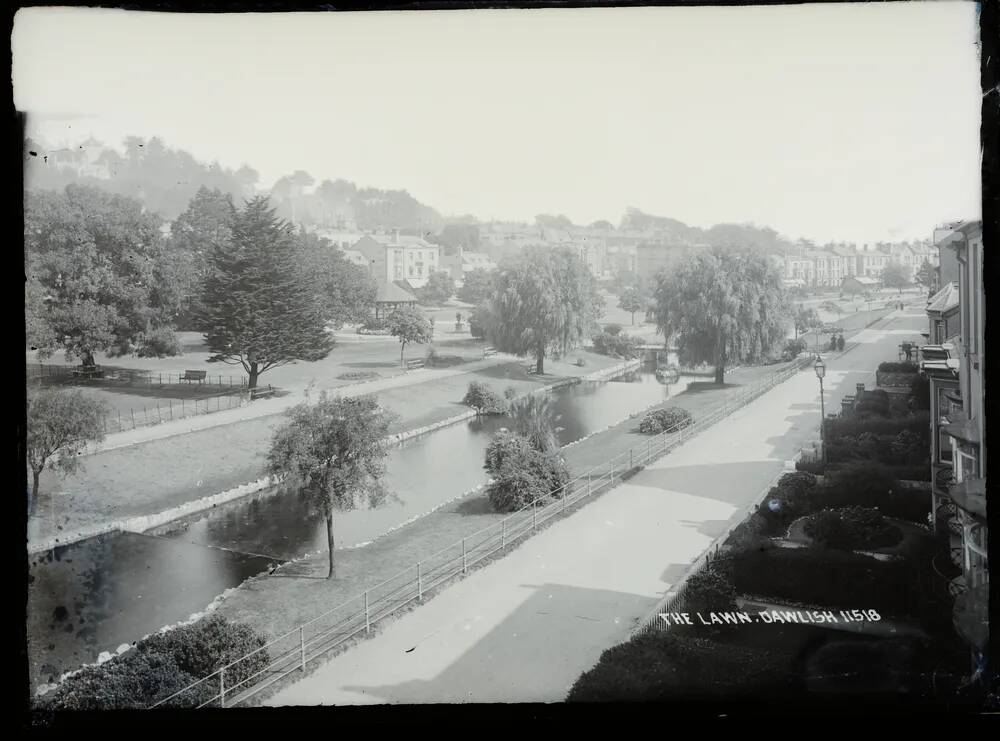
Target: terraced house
[[955, 369]]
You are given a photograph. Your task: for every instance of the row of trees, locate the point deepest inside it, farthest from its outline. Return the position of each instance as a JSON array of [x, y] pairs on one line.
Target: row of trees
[[103, 277]]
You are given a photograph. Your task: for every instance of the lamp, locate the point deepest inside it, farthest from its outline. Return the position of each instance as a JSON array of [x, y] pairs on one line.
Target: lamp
[[820, 369]]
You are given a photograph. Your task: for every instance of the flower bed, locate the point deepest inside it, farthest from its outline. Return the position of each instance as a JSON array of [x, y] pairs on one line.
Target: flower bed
[[851, 528], [670, 418]]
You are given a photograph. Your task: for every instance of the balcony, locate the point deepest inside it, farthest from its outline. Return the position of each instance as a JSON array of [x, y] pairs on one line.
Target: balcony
[[942, 476], [970, 496]]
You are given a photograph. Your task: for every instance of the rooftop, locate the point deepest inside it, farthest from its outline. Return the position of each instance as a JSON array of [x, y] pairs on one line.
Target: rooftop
[[945, 299]]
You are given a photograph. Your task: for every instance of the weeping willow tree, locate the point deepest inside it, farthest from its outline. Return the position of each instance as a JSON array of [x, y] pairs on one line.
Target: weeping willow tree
[[722, 306], [544, 300], [534, 417]]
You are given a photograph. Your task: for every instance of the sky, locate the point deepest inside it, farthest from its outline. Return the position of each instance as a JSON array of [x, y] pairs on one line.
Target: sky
[[855, 122]]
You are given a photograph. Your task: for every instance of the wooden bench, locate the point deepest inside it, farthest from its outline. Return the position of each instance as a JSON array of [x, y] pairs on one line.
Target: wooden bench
[[489, 351], [194, 375], [415, 363], [529, 368], [262, 393], [88, 371]]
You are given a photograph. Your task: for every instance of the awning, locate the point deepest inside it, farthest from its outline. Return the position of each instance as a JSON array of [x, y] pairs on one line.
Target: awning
[[940, 368], [970, 495], [963, 428]]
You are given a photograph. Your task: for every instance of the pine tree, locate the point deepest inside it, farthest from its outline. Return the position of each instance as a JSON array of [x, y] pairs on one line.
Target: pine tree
[[261, 307]]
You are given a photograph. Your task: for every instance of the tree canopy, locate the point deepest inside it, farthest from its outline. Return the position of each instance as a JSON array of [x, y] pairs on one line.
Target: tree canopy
[[896, 275], [408, 324], [631, 300], [926, 274], [477, 285], [346, 290], [805, 319], [722, 306], [263, 305], [60, 424], [544, 300], [98, 275], [334, 452], [440, 287]]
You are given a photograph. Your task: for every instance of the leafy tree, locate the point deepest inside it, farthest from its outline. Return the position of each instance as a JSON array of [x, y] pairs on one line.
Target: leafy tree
[[805, 319], [194, 236], [721, 306], [453, 236], [262, 306], [439, 288], [333, 451], [408, 324], [347, 290], [60, 424], [603, 224], [544, 300], [896, 275], [534, 418], [477, 285], [631, 300], [521, 473], [926, 275], [480, 321], [98, 276], [555, 222]]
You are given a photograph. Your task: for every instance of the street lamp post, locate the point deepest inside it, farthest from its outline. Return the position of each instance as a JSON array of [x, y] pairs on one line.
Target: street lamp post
[[820, 369]]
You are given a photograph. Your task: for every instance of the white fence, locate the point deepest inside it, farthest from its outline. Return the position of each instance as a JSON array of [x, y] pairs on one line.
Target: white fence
[[243, 678]]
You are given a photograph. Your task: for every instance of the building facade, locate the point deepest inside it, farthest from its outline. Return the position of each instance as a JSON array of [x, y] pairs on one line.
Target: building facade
[[399, 257], [955, 371]]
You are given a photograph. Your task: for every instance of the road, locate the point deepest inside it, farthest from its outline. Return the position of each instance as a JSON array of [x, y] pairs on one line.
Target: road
[[525, 627]]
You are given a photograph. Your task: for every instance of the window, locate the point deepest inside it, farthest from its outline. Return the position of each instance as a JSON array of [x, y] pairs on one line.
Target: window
[[967, 467]]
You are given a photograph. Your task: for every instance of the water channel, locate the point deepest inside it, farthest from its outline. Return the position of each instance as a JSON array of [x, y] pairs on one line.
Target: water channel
[[91, 596]]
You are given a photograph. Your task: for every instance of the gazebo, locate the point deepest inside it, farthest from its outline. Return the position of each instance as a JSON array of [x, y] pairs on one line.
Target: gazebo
[[390, 297]]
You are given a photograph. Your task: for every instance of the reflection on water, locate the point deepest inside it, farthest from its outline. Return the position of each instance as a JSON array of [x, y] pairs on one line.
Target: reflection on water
[[94, 595]]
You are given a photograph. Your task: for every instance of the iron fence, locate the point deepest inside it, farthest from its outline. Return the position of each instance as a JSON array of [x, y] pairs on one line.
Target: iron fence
[[241, 679], [113, 376]]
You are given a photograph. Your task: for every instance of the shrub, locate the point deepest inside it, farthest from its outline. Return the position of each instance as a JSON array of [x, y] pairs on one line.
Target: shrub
[[483, 399], [869, 485], [750, 534], [670, 418], [908, 447], [664, 665], [830, 578], [163, 664], [521, 473], [159, 343], [616, 345], [709, 590], [613, 329], [793, 348], [852, 528], [510, 393], [210, 644], [898, 368], [798, 483], [920, 393], [809, 466]]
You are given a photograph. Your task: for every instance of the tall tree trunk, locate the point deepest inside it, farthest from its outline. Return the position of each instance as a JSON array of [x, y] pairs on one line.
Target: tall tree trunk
[[33, 496], [402, 346], [329, 540], [633, 317], [720, 366], [254, 374], [87, 358], [540, 361]]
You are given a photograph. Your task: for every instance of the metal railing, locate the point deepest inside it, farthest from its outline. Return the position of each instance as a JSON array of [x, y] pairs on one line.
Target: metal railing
[[239, 680], [117, 376]]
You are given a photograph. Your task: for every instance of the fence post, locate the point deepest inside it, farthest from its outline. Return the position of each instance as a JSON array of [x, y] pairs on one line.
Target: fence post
[[368, 622], [534, 513], [420, 585], [503, 534], [133, 416], [222, 687], [630, 463], [612, 472], [145, 413], [183, 412], [171, 402], [302, 646], [119, 420], [464, 565], [161, 378]]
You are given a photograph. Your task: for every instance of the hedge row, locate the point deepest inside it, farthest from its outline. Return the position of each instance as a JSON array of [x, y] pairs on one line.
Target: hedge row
[[163, 664], [898, 368]]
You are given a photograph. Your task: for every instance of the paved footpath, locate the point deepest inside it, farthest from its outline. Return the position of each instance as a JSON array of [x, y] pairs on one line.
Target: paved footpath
[[525, 627]]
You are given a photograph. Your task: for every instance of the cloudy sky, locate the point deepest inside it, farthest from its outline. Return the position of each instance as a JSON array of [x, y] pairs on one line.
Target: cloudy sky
[[855, 121]]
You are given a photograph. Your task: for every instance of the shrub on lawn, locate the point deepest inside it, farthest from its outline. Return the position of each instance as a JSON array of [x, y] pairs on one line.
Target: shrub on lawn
[[664, 665], [852, 528], [788, 500], [159, 343], [613, 328], [659, 420], [483, 399], [521, 473], [163, 664], [751, 534]]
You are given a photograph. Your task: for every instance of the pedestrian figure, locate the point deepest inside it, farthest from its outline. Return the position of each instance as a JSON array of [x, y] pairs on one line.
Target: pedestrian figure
[[833, 342], [840, 342]]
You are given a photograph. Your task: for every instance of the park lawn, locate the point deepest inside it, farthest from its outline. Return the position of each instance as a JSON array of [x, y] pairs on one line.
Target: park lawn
[[297, 592], [151, 477]]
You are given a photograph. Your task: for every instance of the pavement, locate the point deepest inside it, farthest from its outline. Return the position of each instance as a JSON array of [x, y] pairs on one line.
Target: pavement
[[525, 627]]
